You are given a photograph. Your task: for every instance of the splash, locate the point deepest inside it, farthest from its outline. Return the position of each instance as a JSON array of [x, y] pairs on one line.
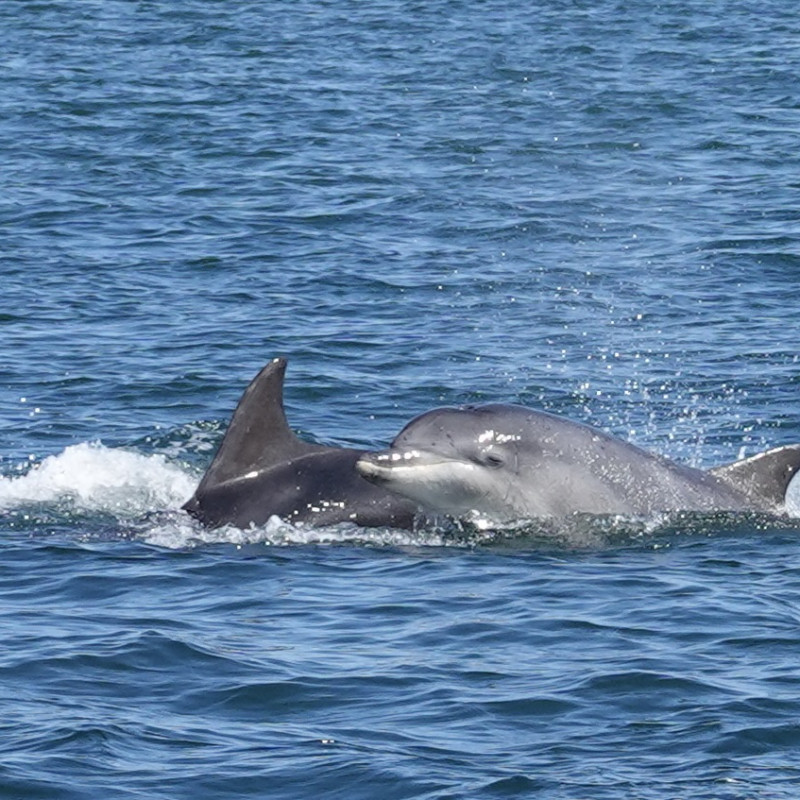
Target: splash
[[181, 533], [92, 478]]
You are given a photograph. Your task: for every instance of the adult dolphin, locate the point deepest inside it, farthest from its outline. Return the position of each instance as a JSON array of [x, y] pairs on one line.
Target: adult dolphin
[[505, 462], [262, 470]]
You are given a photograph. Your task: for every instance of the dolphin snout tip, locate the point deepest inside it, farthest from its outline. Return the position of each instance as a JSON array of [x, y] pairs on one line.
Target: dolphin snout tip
[[368, 466]]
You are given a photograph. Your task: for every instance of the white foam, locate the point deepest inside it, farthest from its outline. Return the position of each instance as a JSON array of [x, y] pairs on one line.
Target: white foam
[[95, 478], [177, 533]]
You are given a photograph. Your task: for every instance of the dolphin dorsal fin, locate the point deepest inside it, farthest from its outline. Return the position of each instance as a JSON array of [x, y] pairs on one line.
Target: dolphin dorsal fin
[[765, 476], [258, 435]]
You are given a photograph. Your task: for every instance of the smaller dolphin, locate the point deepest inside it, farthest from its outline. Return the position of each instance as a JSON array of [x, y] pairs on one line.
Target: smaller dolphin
[[262, 470], [504, 462]]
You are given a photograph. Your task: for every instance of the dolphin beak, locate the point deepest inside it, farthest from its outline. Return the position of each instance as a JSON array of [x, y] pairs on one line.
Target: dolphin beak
[[375, 467], [385, 466]]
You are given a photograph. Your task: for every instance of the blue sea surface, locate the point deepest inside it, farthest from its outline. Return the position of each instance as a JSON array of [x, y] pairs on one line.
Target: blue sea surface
[[591, 208]]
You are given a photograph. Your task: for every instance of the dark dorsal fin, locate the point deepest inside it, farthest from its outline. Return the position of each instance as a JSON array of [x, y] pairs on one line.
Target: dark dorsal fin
[[258, 435], [764, 477]]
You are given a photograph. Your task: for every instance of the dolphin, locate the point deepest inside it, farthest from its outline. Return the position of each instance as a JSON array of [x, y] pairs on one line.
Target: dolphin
[[262, 469], [500, 463]]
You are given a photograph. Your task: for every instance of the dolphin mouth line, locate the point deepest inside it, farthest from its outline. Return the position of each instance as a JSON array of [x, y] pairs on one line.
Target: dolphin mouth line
[[405, 458], [383, 465]]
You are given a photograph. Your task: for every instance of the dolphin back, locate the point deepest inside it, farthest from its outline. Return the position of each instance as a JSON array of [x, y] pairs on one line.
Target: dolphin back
[[765, 477]]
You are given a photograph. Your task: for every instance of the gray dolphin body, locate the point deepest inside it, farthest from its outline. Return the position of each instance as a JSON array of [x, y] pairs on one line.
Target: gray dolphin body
[[506, 462], [262, 470]]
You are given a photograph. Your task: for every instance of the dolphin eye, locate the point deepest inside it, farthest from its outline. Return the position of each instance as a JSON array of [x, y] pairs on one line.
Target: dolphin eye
[[493, 460]]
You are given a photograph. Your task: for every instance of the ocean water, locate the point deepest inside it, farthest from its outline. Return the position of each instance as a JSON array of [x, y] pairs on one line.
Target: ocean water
[[587, 207]]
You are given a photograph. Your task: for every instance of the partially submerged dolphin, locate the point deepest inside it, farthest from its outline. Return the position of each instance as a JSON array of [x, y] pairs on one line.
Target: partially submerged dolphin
[[262, 470], [505, 462]]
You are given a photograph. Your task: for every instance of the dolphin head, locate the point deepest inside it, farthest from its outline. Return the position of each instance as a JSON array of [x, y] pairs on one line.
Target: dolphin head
[[457, 461]]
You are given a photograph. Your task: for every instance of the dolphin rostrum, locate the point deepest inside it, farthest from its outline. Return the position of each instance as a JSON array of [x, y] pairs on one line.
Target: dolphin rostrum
[[262, 470], [505, 462]]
